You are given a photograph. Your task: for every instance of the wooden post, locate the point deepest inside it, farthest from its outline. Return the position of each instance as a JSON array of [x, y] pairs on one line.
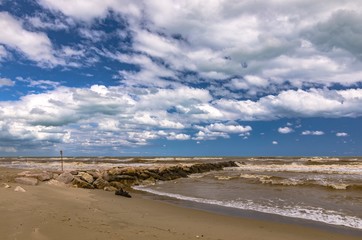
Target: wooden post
[[61, 158]]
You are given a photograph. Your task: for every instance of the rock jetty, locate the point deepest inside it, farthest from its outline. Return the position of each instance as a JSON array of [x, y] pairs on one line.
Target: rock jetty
[[119, 178]]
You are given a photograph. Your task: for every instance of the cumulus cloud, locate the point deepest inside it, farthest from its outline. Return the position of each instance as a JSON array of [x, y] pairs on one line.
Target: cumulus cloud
[[342, 134], [293, 42], [34, 45], [291, 103], [315, 133], [275, 142], [6, 82], [285, 130]]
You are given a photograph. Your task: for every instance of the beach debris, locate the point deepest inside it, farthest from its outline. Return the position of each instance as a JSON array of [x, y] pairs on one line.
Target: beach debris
[[65, 178], [121, 192], [27, 180], [19, 189], [86, 177], [6, 185], [77, 182]]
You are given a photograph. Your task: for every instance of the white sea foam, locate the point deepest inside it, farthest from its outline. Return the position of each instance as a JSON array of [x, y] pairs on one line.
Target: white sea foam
[[314, 214], [299, 168]]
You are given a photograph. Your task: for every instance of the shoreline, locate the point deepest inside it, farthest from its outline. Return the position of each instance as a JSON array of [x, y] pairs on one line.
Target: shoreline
[[253, 215], [53, 212]]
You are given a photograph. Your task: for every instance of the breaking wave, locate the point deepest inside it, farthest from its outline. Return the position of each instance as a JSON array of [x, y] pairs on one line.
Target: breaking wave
[[314, 214]]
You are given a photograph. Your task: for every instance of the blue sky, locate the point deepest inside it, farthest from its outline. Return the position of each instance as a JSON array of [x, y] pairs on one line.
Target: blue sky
[[180, 78]]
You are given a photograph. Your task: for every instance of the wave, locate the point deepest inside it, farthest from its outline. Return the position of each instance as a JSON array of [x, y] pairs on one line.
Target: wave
[[314, 214], [274, 180], [355, 169]]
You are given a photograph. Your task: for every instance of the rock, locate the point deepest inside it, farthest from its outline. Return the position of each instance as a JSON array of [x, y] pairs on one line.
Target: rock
[[86, 177], [74, 172], [55, 175], [106, 176], [19, 189], [149, 181], [6, 185], [41, 176], [44, 176], [117, 185], [100, 183], [65, 178], [121, 192], [78, 182], [24, 173], [95, 174], [56, 183], [123, 177], [27, 180], [110, 189]]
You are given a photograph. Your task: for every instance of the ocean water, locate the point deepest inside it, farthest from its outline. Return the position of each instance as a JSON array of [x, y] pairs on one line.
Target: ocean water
[[326, 190]]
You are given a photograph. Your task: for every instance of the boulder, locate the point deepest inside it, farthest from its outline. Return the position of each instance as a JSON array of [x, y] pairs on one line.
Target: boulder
[[19, 189], [6, 185], [27, 181], [41, 176], [100, 183], [117, 185], [95, 174], [121, 192], [65, 178], [86, 177], [78, 182], [74, 172], [123, 177]]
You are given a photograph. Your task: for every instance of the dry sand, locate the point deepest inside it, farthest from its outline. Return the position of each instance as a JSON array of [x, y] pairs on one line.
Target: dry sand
[[53, 212]]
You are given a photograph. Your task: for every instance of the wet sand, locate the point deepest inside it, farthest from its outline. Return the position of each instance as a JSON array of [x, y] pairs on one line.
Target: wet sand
[[53, 212]]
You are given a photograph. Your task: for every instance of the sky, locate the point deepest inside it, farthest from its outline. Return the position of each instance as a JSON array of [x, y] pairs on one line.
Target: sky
[[180, 78]]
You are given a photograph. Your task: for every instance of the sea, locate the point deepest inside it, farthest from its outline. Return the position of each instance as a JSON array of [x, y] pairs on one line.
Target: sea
[[321, 190]]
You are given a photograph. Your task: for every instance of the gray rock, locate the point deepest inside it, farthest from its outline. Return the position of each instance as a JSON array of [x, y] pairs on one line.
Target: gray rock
[[100, 183], [19, 189], [65, 178], [41, 176], [94, 173], [27, 180], [86, 177], [78, 182]]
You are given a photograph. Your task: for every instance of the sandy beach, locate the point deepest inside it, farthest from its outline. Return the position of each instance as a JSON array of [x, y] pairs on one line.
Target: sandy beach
[[55, 212]]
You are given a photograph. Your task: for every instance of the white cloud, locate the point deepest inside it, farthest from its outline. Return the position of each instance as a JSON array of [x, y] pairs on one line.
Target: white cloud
[[87, 10], [285, 45], [6, 82], [3, 52], [285, 130], [342, 134], [274, 142], [291, 103], [220, 127], [34, 45], [179, 136], [43, 22], [315, 133]]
